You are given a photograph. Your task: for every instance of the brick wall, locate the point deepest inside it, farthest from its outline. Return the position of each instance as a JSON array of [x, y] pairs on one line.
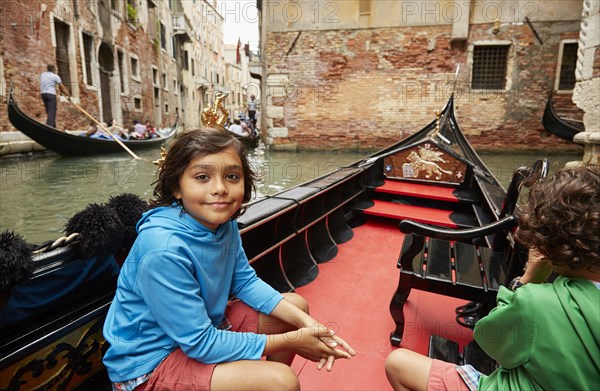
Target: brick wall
[[348, 89], [23, 53], [27, 48]]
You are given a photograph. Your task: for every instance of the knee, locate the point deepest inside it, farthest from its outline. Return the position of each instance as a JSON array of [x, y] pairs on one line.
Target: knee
[[297, 300], [406, 369], [284, 378], [397, 362]]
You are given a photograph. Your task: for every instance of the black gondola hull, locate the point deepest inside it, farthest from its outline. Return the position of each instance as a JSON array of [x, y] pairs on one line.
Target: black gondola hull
[[563, 128], [68, 144], [249, 142]]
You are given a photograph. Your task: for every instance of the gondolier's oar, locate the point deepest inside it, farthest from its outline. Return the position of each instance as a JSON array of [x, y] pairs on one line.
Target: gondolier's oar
[[106, 130]]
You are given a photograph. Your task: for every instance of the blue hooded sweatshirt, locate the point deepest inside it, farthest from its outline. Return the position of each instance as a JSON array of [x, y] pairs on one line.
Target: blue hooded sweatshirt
[[172, 292]]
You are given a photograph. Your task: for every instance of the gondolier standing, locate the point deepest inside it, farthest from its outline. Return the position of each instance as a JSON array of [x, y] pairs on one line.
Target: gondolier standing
[[49, 80], [252, 105]]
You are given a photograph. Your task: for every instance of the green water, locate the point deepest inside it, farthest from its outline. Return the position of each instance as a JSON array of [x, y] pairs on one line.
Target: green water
[[39, 195]]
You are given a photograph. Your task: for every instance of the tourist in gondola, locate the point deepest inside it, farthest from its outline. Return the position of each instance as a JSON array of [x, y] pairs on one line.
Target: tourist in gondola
[[245, 127], [237, 128], [95, 131], [171, 324], [91, 130], [150, 130], [544, 335], [49, 82], [139, 131], [118, 130]]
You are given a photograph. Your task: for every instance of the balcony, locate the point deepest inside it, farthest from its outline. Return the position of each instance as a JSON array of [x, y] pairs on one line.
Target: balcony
[[182, 28]]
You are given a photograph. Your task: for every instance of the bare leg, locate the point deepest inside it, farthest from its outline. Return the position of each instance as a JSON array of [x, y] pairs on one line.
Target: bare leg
[[270, 325], [254, 375], [274, 374], [408, 370]]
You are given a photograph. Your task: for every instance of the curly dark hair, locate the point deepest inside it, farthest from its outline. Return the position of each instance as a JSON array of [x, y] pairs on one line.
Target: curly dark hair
[[190, 146], [562, 218]]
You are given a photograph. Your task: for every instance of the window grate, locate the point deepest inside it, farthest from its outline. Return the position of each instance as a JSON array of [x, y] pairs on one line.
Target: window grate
[[489, 67], [567, 67]]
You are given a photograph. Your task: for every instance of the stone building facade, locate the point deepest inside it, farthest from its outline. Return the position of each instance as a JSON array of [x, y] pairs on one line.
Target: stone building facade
[[239, 84], [206, 71], [587, 88], [358, 74], [120, 59]]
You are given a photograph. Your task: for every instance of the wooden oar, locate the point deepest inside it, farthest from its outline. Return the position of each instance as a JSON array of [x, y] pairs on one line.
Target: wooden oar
[[106, 130]]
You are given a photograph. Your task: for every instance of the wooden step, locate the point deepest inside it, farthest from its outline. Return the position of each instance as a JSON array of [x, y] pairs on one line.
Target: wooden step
[[434, 216], [440, 193]]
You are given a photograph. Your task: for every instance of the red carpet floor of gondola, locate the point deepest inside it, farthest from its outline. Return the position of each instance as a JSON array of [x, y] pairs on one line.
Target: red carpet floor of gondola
[[352, 295]]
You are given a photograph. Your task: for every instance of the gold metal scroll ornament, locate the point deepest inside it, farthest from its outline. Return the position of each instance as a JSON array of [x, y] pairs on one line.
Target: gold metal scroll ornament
[[215, 117], [163, 155], [212, 117]]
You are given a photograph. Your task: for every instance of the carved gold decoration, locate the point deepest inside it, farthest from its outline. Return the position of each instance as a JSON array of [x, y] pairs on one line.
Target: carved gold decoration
[[425, 162], [62, 365], [438, 116], [163, 155], [216, 116], [438, 119]]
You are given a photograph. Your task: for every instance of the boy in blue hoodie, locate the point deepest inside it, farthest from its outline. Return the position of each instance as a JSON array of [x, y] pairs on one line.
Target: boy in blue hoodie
[[170, 325]]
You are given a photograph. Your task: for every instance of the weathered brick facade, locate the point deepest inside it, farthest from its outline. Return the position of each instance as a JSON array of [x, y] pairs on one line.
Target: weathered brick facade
[[364, 88], [25, 53], [138, 52], [25, 49]]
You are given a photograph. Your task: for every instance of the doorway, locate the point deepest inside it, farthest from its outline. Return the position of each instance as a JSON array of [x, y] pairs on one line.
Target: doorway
[[106, 62], [61, 31]]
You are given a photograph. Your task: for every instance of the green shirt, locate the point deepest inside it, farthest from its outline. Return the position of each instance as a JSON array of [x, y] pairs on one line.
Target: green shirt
[[544, 336]]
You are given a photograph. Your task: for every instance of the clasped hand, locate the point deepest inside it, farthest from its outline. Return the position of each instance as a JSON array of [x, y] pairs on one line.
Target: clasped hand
[[320, 344]]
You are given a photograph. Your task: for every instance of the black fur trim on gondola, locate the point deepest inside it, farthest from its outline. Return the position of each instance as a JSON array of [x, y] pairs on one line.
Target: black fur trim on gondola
[[16, 264], [130, 208], [100, 231]]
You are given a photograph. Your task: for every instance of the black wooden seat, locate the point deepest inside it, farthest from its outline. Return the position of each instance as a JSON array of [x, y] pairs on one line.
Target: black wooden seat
[[459, 263], [443, 349]]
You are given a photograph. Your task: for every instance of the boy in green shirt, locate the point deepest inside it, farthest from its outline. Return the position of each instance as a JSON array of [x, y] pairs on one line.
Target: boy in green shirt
[[545, 336]]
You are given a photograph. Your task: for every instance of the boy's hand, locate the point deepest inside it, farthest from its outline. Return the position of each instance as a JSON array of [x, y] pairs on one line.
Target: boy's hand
[[318, 343], [333, 341], [537, 270]]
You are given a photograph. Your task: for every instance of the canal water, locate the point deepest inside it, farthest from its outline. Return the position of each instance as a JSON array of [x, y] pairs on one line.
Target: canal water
[[39, 195]]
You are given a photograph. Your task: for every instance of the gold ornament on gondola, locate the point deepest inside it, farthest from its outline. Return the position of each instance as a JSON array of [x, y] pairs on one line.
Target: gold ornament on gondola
[[163, 155], [438, 116], [211, 118], [216, 116]]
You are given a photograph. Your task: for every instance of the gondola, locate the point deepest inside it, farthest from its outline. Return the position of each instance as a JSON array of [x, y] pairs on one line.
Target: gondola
[[250, 142], [561, 127], [334, 239], [67, 144]]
